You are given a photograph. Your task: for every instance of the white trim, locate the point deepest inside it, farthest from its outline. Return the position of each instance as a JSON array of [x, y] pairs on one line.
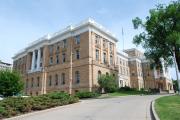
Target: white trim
[[87, 25]]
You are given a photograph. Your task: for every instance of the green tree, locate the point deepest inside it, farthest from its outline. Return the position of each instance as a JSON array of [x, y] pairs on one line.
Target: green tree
[[175, 85], [108, 83], [10, 83], [161, 33]]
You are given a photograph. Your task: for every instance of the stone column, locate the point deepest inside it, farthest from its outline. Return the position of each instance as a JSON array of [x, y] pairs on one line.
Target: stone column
[[33, 61], [38, 59]]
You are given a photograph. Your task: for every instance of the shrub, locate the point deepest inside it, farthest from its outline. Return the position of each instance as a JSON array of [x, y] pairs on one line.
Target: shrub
[[10, 83], [127, 88], [86, 94], [108, 83], [17, 105]]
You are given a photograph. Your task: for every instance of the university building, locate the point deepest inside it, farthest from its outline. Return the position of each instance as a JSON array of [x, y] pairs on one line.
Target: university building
[[5, 65], [72, 59]]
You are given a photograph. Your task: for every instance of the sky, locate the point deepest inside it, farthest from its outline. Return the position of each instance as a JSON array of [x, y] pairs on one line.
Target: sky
[[24, 21]]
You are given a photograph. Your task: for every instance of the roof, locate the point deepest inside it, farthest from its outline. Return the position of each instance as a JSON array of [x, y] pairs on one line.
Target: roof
[[5, 63], [49, 37], [123, 54]]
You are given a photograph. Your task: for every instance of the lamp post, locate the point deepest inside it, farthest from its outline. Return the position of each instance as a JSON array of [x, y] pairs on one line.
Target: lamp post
[[70, 78], [177, 71]]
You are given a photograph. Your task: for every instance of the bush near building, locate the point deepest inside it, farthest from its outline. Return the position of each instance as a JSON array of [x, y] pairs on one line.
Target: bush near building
[[13, 106], [10, 83], [108, 83], [86, 94]]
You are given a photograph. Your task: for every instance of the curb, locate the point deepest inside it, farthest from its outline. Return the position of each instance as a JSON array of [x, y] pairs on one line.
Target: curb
[[153, 112], [38, 112]]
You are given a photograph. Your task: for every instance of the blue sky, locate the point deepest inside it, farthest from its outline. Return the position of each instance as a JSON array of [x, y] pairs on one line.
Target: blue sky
[[23, 21]]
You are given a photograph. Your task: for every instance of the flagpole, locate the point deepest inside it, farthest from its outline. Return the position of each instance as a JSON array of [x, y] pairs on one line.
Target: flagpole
[[123, 37]]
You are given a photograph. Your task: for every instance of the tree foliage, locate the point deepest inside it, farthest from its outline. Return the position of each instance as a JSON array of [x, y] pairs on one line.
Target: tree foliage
[[161, 33], [10, 83], [108, 83]]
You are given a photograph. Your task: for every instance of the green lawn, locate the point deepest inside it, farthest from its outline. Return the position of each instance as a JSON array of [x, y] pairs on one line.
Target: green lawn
[[124, 93], [121, 93], [168, 107]]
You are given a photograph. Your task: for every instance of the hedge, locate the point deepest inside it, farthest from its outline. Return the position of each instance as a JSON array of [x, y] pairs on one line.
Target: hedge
[[86, 94], [13, 106]]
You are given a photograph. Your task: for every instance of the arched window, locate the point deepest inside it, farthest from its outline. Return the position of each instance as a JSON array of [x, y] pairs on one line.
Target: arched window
[[32, 82], [77, 76], [38, 81], [56, 79], [27, 81], [99, 74], [50, 80], [107, 73], [113, 75], [63, 78]]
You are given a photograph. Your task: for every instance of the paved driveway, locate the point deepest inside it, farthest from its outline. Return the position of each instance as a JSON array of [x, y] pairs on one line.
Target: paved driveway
[[120, 108]]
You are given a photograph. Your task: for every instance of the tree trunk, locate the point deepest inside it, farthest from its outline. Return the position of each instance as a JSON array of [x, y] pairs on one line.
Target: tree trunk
[[177, 55]]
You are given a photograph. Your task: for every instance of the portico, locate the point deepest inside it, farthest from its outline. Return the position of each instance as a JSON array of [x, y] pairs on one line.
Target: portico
[[36, 61]]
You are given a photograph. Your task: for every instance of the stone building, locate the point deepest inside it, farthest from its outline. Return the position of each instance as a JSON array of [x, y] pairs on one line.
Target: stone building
[[4, 65], [69, 60], [143, 75], [72, 59]]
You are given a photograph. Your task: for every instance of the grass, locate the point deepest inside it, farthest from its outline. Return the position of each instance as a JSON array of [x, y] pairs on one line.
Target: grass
[[124, 93], [168, 107], [121, 93]]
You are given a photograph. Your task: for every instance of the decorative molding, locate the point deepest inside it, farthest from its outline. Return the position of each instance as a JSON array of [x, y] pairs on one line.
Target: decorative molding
[[87, 25]]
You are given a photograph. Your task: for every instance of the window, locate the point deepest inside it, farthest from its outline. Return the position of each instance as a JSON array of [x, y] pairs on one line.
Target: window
[[121, 70], [64, 43], [104, 58], [57, 59], [133, 74], [77, 54], [110, 45], [111, 59], [77, 39], [77, 76], [63, 57], [50, 49], [97, 39], [104, 43], [97, 55], [50, 80], [27, 81], [32, 82], [107, 73], [38, 81], [99, 74], [63, 78], [41, 53], [127, 72], [51, 60], [56, 79], [57, 48]]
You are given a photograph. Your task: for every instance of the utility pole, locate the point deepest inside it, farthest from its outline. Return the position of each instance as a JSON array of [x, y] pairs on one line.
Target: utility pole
[[177, 71], [70, 78]]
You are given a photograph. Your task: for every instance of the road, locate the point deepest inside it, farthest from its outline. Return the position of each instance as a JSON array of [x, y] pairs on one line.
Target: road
[[119, 108]]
